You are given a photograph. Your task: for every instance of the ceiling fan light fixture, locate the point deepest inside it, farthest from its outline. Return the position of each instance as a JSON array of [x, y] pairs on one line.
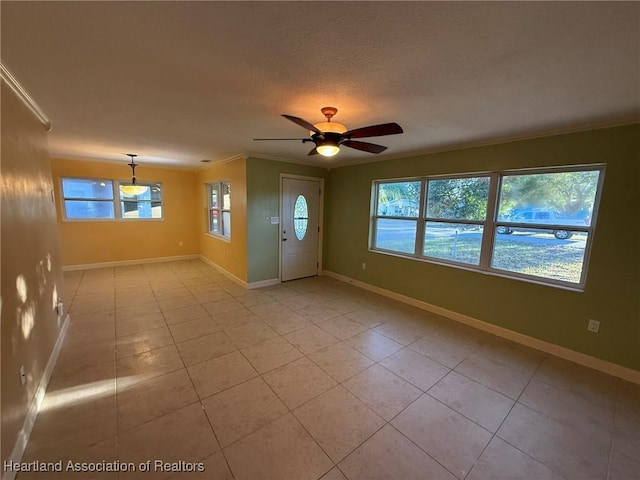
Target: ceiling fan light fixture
[[329, 136], [328, 150], [329, 127]]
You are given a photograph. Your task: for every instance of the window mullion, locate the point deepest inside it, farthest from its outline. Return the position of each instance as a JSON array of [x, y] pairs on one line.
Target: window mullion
[[421, 224], [117, 208], [374, 216], [488, 234]]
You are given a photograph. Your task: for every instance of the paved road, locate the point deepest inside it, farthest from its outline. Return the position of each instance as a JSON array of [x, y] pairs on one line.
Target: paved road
[[395, 232]]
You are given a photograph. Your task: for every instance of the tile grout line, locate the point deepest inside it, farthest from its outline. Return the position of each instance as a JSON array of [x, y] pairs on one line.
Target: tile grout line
[[199, 398], [494, 435], [613, 428], [424, 392], [405, 408], [115, 368], [183, 275]]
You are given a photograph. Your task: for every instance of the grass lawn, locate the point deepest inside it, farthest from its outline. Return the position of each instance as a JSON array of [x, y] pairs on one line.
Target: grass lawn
[[543, 256], [560, 261]]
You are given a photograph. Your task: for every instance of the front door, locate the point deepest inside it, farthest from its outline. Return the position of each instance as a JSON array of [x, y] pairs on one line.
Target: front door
[[300, 228]]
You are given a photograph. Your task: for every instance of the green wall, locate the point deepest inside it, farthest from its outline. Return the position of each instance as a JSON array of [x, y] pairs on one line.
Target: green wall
[[263, 192], [612, 291]]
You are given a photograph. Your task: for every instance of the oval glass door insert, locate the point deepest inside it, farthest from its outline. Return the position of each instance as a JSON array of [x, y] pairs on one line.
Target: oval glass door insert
[[300, 217]]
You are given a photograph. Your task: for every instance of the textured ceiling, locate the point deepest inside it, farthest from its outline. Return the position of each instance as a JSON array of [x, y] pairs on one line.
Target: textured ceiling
[[178, 82]]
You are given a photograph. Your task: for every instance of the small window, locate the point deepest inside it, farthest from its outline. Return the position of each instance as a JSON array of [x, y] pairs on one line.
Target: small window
[[102, 199], [141, 200], [300, 217], [456, 212], [86, 198], [396, 219], [220, 209]]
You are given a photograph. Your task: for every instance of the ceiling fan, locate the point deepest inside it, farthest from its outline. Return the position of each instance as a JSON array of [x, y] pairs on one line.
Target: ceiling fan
[[330, 136]]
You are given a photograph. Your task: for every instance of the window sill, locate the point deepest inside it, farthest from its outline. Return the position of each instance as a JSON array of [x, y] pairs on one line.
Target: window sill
[[218, 237]]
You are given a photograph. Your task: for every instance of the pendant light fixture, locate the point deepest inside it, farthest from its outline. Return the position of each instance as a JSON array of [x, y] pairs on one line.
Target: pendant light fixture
[[133, 189]]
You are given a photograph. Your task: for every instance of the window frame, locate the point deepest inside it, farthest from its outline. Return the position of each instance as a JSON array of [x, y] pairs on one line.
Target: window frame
[[118, 184], [115, 200], [220, 209], [376, 217], [482, 223], [490, 223]]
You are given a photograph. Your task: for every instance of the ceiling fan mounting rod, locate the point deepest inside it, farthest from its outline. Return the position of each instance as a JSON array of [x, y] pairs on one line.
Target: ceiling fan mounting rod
[[329, 112]]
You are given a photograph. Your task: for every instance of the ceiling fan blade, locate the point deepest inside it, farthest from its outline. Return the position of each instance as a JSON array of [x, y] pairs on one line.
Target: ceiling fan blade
[[302, 123], [364, 146], [313, 152], [374, 131], [298, 139]]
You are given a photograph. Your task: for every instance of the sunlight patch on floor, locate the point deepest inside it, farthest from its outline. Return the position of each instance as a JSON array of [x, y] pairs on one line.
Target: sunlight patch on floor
[[79, 394]]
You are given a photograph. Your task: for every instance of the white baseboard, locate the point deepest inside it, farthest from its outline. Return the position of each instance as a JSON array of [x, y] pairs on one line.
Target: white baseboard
[[547, 347], [36, 402], [263, 283], [247, 285], [122, 263], [231, 276]]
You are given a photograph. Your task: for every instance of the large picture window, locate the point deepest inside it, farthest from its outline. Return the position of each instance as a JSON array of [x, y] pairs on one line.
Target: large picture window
[[533, 224], [102, 199], [220, 209]]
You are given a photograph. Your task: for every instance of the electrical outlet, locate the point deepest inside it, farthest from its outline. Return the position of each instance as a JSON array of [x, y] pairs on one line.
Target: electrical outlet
[[23, 376], [593, 326], [364, 266]]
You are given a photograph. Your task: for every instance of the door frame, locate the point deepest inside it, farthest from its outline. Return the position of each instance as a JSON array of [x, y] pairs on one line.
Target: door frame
[[320, 218]]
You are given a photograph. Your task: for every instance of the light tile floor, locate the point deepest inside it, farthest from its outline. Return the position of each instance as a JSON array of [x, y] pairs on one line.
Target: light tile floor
[[313, 379]]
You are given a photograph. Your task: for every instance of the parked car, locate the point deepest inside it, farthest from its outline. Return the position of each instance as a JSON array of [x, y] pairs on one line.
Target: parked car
[[545, 217]]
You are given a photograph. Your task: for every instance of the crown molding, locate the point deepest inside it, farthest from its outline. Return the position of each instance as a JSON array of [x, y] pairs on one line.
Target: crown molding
[[123, 161], [275, 158], [22, 94], [500, 140], [215, 163]]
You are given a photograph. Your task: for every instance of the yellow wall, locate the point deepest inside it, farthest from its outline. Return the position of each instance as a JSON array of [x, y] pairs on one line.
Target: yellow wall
[[88, 242], [31, 266], [229, 255]]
